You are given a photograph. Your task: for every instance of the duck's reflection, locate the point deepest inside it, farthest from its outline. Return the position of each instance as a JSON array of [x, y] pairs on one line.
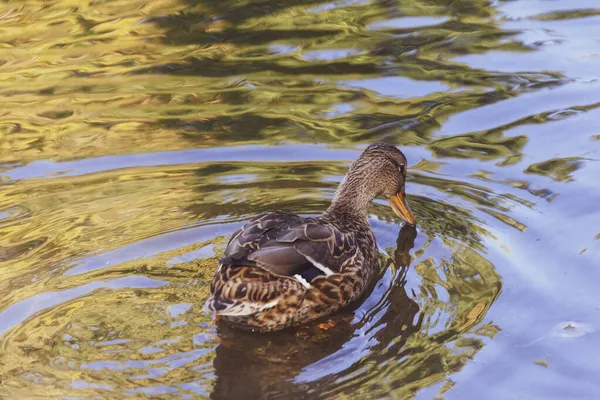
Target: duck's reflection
[[264, 366]]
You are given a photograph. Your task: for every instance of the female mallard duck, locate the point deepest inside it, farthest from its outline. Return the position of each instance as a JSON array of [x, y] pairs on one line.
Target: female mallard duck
[[281, 269]]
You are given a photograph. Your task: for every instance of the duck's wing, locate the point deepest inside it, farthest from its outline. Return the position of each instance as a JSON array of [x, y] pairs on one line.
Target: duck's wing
[[286, 244]]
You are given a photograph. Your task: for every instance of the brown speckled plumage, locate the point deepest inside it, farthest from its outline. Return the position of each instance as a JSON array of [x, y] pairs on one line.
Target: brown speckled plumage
[[281, 269]]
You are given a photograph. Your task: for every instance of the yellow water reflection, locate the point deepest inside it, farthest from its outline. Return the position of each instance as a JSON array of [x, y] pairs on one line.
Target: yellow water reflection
[[136, 136]]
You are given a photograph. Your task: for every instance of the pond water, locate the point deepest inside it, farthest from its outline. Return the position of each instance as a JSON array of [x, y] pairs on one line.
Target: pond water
[[136, 136]]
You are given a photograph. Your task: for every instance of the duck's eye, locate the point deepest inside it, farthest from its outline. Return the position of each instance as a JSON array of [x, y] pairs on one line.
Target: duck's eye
[[401, 168]]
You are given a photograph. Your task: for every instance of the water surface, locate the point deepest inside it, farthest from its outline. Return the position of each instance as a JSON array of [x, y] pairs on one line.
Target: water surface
[[136, 136]]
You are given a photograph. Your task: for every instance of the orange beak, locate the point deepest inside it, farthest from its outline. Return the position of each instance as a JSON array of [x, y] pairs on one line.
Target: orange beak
[[401, 208]]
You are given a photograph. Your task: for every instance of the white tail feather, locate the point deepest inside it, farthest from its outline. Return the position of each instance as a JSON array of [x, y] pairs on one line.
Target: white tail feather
[[237, 309]]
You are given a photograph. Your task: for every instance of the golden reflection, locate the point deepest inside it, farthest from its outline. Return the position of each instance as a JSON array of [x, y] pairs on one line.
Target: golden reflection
[[121, 341], [134, 76], [559, 169]]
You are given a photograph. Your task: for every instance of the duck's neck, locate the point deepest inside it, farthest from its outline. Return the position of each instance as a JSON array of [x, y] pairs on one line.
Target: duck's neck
[[353, 197]]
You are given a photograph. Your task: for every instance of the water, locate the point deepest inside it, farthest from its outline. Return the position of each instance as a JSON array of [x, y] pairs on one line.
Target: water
[[136, 136]]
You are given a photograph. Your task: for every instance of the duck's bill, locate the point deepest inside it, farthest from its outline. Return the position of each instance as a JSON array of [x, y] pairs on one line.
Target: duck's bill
[[401, 208]]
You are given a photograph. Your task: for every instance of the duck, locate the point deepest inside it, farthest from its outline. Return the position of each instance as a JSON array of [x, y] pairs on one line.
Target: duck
[[281, 270]]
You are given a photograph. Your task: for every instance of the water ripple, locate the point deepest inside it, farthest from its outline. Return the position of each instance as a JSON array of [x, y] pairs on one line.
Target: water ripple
[[136, 136]]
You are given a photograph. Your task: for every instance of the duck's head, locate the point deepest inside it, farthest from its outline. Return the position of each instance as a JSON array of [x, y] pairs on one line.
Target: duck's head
[[379, 171]]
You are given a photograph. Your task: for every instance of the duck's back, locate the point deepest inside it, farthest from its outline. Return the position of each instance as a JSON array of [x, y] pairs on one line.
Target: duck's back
[[286, 244], [281, 255]]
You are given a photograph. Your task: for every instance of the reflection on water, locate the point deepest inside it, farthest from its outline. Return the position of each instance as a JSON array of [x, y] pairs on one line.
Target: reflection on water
[[136, 136]]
